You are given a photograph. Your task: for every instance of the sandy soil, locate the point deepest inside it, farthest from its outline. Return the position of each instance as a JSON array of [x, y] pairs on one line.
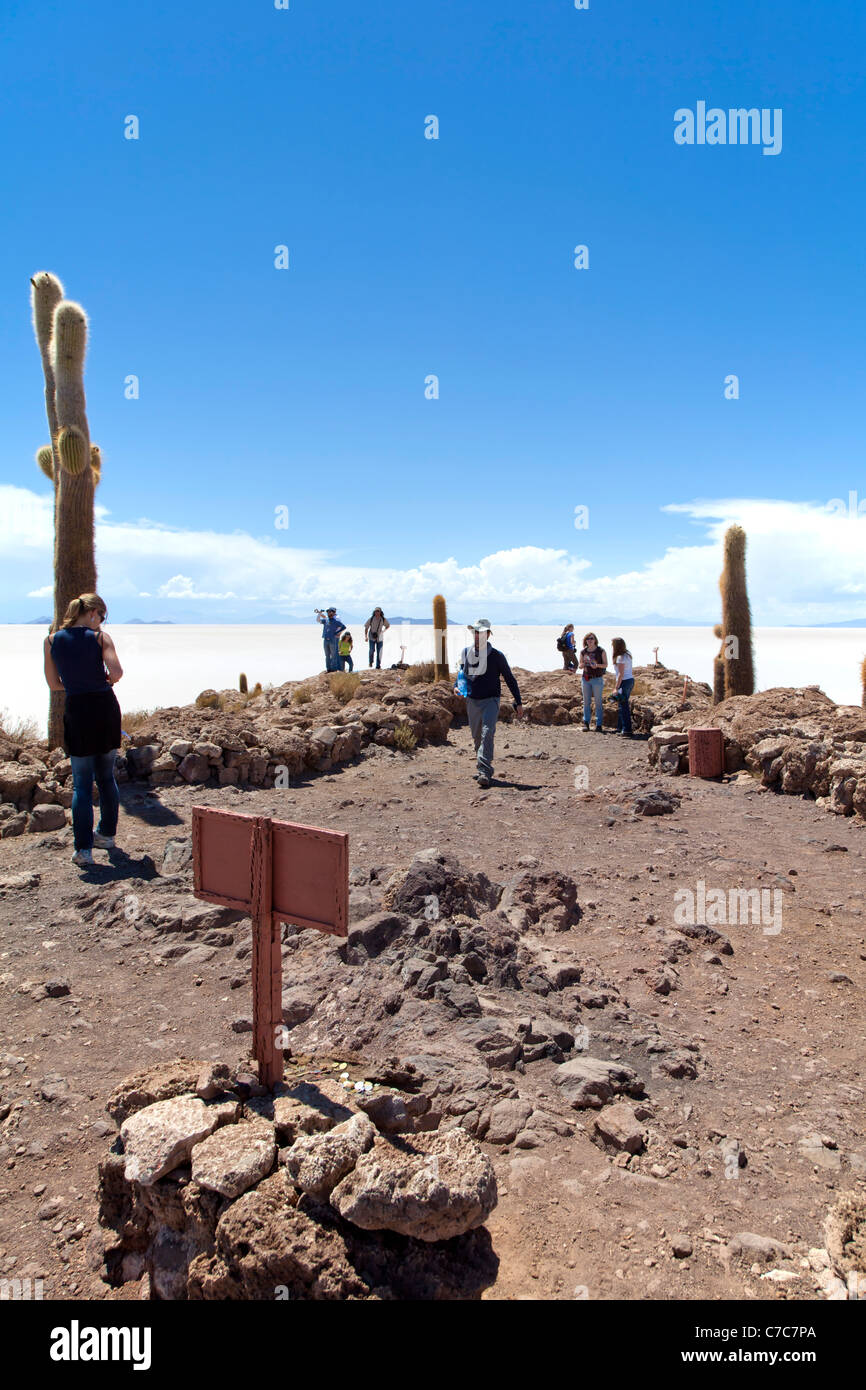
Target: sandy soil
[[776, 1038]]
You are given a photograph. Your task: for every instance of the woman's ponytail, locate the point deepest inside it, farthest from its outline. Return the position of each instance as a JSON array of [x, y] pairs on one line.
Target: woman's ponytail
[[85, 603]]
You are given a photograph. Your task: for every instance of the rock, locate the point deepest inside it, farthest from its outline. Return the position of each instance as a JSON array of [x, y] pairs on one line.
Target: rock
[[589, 1083], [213, 1080], [46, 817], [205, 917], [180, 748], [387, 1111], [547, 899], [307, 1108], [244, 1024], [177, 855], [16, 883], [56, 989], [160, 1137], [491, 1040], [432, 1187], [657, 803], [618, 1128], [370, 937], [234, 1158], [845, 1233], [298, 1005], [17, 780], [439, 878], [14, 825], [681, 1246], [194, 768], [755, 1247], [507, 1119], [317, 1162], [51, 1209], [175, 1078]]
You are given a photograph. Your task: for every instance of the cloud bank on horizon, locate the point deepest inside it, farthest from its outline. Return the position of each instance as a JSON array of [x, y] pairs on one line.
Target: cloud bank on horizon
[[806, 564]]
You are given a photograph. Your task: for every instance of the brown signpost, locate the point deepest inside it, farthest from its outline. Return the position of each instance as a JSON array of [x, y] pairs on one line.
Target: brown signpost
[[277, 872]]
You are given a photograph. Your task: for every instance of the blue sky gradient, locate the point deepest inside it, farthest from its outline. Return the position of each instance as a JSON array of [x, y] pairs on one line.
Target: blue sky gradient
[[408, 256]]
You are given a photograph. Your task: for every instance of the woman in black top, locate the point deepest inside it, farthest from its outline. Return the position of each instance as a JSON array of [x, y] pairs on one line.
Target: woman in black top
[[81, 660]]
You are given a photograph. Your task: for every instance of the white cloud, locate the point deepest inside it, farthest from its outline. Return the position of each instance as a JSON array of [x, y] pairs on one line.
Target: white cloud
[[47, 591], [806, 563]]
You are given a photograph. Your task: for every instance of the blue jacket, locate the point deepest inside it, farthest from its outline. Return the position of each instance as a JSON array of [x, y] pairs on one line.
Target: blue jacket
[[331, 629]]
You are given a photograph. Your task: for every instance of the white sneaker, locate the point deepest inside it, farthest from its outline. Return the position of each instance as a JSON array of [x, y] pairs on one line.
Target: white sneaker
[[103, 841], [83, 858]]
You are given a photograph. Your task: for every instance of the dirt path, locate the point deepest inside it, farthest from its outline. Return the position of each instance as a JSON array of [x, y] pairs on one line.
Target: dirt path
[[776, 1039]]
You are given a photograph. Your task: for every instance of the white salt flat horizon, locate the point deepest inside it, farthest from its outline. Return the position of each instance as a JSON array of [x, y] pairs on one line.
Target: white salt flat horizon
[[170, 665]]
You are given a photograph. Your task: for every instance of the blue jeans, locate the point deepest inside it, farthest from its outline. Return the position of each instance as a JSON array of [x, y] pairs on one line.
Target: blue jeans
[[332, 655], [375, 650], [592, 690], [482, 715], [347, 661], [623, 718], [86, 771]]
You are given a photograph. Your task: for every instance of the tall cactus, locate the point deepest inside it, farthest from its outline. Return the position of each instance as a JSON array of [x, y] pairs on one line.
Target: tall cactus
[[72, 463], [736, 617], [719, 669], [440, 638], [863, 682]]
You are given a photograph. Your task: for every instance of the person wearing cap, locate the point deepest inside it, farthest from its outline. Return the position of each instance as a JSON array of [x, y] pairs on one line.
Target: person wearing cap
[[483, 668], [331, 629]]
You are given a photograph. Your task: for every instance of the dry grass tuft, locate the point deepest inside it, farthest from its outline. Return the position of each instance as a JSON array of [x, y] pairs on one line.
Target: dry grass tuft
[[343, 685], [18, 730], [302, 696], [404, 737], [422, 673]]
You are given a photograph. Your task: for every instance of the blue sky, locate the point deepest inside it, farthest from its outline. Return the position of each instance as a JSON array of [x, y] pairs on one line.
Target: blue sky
[[559, 388]]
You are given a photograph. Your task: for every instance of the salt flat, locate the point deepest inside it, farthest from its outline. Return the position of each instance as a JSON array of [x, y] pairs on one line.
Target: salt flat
[[170, 665]]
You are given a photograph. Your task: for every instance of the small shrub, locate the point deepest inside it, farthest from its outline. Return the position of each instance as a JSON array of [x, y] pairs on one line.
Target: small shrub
[[209, 699], [343, 685], [421, 673], [302, 696], [18, 730], [134, 718], [404, 737]]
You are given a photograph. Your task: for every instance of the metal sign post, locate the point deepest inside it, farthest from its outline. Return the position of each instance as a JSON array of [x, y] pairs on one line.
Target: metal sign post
[[275, 871]]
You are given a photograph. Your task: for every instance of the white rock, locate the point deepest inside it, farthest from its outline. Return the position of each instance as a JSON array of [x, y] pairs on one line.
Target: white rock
[[161, 1137]]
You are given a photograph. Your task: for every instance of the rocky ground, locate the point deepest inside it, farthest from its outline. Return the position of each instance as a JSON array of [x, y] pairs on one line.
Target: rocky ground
[[671, 1108]]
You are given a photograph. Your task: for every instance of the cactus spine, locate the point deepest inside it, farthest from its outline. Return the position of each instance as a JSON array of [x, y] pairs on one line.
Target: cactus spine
[[736, 617], [440, 638]]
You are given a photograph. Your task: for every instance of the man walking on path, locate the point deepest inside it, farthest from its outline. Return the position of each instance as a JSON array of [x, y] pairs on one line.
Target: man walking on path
[[374, 630], [331, 629], [482, 667]]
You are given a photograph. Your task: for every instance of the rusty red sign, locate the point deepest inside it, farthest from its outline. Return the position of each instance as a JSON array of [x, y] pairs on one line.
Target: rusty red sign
[[277, 872]]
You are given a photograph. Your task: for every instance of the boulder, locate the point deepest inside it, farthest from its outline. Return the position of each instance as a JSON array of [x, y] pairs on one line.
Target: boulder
[[234, 1158], [588, 1083], [619, 1128], [431, 1187], [45, 817], [317, 1162], [160, 1137], [17, 780]]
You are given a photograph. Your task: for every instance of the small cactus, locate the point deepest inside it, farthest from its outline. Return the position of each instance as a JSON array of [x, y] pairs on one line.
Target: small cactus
[[72, 448], [440, 638], [96, 462], [242, 684]]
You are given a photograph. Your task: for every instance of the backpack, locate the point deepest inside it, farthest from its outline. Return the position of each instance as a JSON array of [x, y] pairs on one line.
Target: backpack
[[561, 644]]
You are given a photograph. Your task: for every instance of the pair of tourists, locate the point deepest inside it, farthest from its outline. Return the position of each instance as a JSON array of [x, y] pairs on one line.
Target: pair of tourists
[[593, 664], [81, 660]]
